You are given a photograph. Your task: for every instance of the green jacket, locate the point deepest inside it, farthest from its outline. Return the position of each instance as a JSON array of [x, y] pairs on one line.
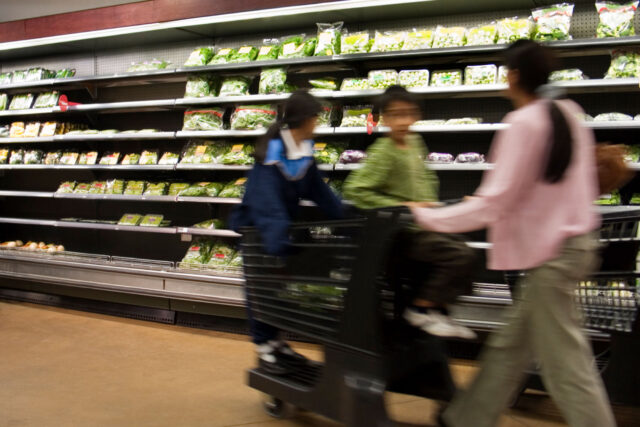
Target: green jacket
[[392, 175]]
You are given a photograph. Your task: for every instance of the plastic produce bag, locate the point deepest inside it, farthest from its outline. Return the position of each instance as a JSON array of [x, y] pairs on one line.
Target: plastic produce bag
[[326, 116], [354, 83], [201, 86], [82, 188], [169, 158], [5, 78], [233, 189], [97, 187], [482, 35], [177, 187], [449, 37], [418, 39], [148, 158], [446, 78], [114, 186], [252, 117], [240, 154], [293, 47], [553, 22], [354, 43], [502, 74], [480, 74], [221, 255], [616, 20], [223, 56], [19, 76], [156, 189], [4, 100], [355, 116], [244, 54], [69, 158], [325, 153], [35, 74], [206, 119], [200, 152], [327, 83], [154, 64], [210, 224], [388, 41], [512, 29], [198, 189], [269, 51], [198, 253], [134, 188], [200, 56], [413, 79], [66, 187], [130, 159], [21, 102], [53, 158], [566, 75], [273, 80], [624, 64], [612, 117], [33, 157], [65, 73], [382, 79], [130, 219], [235, 86], [328, 43], [47, 99]]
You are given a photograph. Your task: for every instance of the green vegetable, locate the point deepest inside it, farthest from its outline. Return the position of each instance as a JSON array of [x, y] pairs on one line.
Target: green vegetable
[[156, 189], [388, 41], [198, 253], [553, 22], [221, 255], [273, 80], [210, 224], [176, 188], [65, 73], [134, 188], [252, 117], [21, 102], [446, 78], [97, 187], [354, 42], [202, 152], [482, 35], [33, 157], [355, 116], [235, 86], [4, 100], [152, 220], [169, 158], [616, 20], [567, 75], [624, 64], [110, 159], [114, 186], [53, 158], [635, 199], [512, 29], [34, 74], [413, 79], [47, 99], [633, 154], [82, 188], [269, 50], [130, 219], [310, 46], [5, 78], [233, 189], [200, 86], [223, 56], [130, 159], [244, 54], [89, 158], [195, 190], [612, 199], [328, 43], [209, 119], [502, 74], [66, 187], [418, 39], [326, 116], [382, 79], [69, 158], [325, 153], [449, 37], [327, 83], [296, 47], [154, 64], [200, 56], [354, 83], [240, 154], [19, 76], [480, 74], [148, 158]]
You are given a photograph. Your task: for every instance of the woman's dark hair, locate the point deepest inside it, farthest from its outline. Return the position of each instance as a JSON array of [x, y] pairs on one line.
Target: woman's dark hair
[[300, 107], [395, 93], [534, 64]]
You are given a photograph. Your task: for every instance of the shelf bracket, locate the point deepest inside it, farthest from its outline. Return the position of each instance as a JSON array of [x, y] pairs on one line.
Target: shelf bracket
[[92, 89]]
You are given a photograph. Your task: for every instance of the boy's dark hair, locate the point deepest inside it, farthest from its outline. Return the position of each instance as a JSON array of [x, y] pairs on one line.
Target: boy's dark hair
[[300, 106], [534, 64], [395, 93]]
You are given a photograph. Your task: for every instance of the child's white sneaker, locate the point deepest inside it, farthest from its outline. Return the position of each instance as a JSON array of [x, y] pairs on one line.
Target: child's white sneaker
[[435, 323]]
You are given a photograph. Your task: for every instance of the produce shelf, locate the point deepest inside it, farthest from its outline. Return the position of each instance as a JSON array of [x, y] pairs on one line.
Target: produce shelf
[[216, 200], [212, 166], [29, 112], [205, 232], [92, 167], [627, 124], [36, 194], [220, 133], [116, 136], [27, 140], [210, 100]]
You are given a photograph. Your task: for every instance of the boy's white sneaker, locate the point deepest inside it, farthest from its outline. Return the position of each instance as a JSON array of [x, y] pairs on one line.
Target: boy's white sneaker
[[435, 323]]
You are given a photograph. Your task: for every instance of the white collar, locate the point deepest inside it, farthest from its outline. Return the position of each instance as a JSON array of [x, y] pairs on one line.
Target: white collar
[[295, 151]]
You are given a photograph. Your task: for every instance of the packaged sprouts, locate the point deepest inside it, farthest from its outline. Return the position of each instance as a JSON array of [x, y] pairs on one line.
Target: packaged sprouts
[[354, 43], [354, 83], [553, 22], [388, 41], [449, 37], [512, 29], [616, 20], [413, 79], [482, 35], [480, 74], [418, 39], [446, 78], [355, 116], [382, 79]]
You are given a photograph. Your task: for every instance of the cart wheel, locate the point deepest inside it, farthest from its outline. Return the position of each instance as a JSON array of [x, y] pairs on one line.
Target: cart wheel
[[276, 408]]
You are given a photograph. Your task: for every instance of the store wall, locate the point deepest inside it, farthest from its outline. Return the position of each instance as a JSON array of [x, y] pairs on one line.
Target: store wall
[[138, 13]]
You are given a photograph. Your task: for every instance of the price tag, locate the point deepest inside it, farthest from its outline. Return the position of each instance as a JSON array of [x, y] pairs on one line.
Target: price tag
[[289, 48], [319, 146], [245, 49], [265, 50], [224, 51], [186, 237], [237, 147], [241, 181], [200, 150]]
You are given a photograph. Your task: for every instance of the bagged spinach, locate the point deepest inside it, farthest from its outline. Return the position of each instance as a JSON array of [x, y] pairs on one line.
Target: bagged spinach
[[512, 29], [244, 54], [328, 39], [616, 20], [154, 220], [223, 56], [354, 42], [413, 79], [201, 86], [553, 22], [355, 116], [310, 46], [273, 80], [327, 83], [624, 64], [418, 39], [235, 86], [200, 56], [110, 158], [449, 37], [239, 154], [233, 189], [482, 35], [252, 117], [269, 51], [205, 119], [388, 41]]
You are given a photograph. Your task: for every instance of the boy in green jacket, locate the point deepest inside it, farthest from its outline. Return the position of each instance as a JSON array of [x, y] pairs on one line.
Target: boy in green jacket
[[395, 174]]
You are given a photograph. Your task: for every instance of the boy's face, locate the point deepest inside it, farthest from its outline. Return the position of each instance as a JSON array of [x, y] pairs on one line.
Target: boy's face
[[399, 116]]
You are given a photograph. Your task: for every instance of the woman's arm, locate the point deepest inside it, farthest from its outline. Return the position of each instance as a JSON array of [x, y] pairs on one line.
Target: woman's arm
[[322, 195]]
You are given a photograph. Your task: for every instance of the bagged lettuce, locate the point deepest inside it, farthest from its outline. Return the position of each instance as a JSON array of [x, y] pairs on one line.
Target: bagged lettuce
[[148, 158], [200, 56], [355, 83], [553, 22], [325, 153], [197, 152], [239, 154], [328, 43], [624, 64], [482, 35], [327, 83], [88, 158], [199, 189], [204, 119], [66, 187], [5, 78], [177, 187], [567, 75], [413, 79], [480, 74], [69, 158], [269, 51], [273, 80], [82, 188], [326, 116], [244, 54], [97, 187], [65, 73], [210, 224], [616, 20], [198, 253], [156, 189], [252, 117], [201, 86], [388, 41], [354, 42], [223, 56], [169, 158], [221, 256], [449, 37], [235, 86], [153, 64], [47, 99], [130, 159], [297, 47], [418, 39], [355, 116], [134, 188], [4, 100], [21, 102], [130, 219], [114, 186], [512, 29], [234, 189], [382, 79]]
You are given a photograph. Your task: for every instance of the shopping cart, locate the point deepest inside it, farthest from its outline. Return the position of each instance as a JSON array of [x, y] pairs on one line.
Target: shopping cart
[[332, 290]]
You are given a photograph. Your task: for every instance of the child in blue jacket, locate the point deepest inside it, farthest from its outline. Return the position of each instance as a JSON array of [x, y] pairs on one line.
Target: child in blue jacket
[[284, 174]]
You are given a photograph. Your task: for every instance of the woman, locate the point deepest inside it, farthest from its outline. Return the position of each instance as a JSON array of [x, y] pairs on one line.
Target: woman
[[285, 173], [538, 206]]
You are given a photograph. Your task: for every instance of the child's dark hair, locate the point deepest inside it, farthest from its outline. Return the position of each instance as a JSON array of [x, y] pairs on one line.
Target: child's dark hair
[[395, 93], [300, 107], [534, 64]]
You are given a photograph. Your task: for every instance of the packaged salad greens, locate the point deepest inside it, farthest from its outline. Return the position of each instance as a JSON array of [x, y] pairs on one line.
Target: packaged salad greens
[[53, 158], [66, 187], [88, 158], [203, 119], [418, 39], [325, 153], [239, 154], [234, 189], [566, 75], [635, 199], [413, 79], [19, 76], [512, 29], [326, 83], [4, 100], [4, 156], [244, 54], [326, 116], [17, 157], [130, 159], [197, 152], [110, 158], [382, 79], [221, 255], [134, 188], [65, 73], [198, 253], [354, 83], [32, 129], [210, 224], [199, 189], [446, 78], [235, 86], [82, 188], [355, 116], [21, 102], [252, 117], [310, 46], [114, 186], [130, 219], [480, 74], [297, 47], [502, 74], [97, 187], [482, 35], [200, 86], [449, 37], [152, 220], [200, 56], [148, 158], [553, 22], [624, 64], [34, 74], [612, 117], [156, 189], [354, 42], [169, 158], [154, 64], [47, 99], [328, 43], [269, 51], [616, 20], [5, 78], [273, 80], [33, 157], [213, 189], [223, 56], [177, 187], [388, 41], [69, 158]]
